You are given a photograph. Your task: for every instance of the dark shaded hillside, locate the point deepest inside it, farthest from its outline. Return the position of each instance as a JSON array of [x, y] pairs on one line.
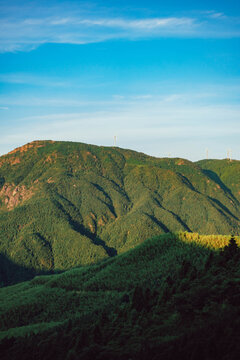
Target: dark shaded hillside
[[170, 295], [225, 172], [65, 204]]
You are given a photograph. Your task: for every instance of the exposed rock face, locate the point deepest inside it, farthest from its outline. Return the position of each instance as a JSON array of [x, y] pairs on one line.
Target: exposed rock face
[[15, 157], [12, 161], [12, 195]]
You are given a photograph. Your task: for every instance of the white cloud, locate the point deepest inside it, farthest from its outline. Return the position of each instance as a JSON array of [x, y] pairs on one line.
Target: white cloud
[[157, 125], [25, 28], [62, 21], [203, 96], [32, 79], [149, 114], [26, 34], [4, 108], [217, 15], [142, 24]]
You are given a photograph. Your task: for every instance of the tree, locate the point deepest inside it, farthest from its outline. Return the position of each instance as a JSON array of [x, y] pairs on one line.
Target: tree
[[231, 251]]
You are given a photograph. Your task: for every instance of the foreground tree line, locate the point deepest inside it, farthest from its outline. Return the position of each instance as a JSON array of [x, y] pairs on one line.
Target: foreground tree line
[[163, 298]]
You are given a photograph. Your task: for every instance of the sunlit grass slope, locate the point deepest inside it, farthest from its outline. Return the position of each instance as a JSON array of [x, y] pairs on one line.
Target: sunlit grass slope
[[171, 295], [65, 204]]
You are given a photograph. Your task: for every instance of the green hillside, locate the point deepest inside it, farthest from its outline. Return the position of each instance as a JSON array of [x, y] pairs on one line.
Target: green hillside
[[171, 295], [225, 172], [65, 204]]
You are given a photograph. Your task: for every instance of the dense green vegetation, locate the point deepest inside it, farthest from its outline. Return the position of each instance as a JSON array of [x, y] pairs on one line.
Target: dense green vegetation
[[65, 204], [224, 172], [171, 295]]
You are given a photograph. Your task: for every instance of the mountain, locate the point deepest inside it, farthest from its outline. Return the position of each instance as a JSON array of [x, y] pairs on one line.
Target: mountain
[[170, 295], [65, 204]]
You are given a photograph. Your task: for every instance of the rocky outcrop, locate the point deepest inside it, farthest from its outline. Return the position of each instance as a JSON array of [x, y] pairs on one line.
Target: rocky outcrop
[[12, 195]]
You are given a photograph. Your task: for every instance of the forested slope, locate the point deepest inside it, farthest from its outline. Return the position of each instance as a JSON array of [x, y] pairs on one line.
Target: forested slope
[[173, 294], [65, 204]]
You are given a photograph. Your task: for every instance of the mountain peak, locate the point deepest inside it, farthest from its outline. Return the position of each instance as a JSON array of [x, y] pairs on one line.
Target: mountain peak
[[32, 144]]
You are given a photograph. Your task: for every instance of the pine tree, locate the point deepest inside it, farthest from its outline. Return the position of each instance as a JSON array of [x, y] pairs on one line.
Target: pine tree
[[231, 251]]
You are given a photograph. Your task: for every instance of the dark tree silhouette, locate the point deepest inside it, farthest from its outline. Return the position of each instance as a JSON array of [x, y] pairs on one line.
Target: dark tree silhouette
[[231, 251]]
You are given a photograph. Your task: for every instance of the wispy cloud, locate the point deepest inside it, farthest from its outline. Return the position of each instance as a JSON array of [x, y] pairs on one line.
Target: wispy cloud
[[142, 24], [4, 108], [217, 16], [30, 33], [155, 124], [25, 28], [207, 94], [214, 14], [32, 79], [156, 129]]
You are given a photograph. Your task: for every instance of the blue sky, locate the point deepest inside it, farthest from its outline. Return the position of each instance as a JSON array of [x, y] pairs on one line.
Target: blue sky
[[161, 76]]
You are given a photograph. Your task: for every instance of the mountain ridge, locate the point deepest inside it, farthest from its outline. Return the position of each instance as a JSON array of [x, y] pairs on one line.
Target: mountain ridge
[[65, 204]]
